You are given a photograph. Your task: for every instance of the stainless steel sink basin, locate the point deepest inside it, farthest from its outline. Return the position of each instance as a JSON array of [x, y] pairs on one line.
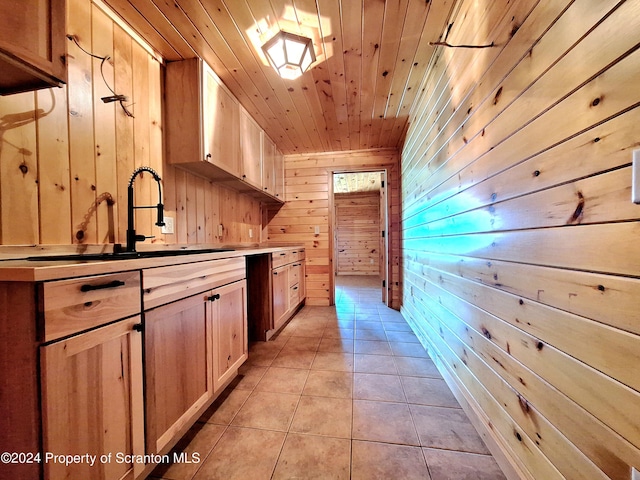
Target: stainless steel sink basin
[[124, 255]]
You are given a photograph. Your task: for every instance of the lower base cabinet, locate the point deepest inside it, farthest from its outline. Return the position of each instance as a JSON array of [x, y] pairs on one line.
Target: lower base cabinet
[[92, 402], [193, 347], [229, 317]]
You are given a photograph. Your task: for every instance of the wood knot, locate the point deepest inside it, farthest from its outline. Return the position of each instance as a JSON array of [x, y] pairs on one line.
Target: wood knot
[[596, 102], [577, 214], [518, 436], [601, 288], [539, 345], [536, 173], [80, 235], [524, 405], [521, 302], [486, 333], [497, 96], [24, 169]]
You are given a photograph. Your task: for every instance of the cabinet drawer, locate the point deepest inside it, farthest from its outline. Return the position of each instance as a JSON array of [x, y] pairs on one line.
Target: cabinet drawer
[[280, 258], [294, 296], [294, 273], [297, 255], [70, 306], [166, 284]]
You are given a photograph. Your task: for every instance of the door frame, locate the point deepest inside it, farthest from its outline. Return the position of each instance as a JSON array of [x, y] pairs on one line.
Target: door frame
[[332, 232]]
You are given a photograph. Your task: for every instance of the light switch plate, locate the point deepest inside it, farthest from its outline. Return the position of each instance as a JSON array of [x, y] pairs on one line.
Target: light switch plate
[[635, 178], [167, 228], [251, 233], [635, 474], [220, 229], [316, 230]]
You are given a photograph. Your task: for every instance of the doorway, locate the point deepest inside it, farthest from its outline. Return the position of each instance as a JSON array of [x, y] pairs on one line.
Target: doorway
[[359, 226]]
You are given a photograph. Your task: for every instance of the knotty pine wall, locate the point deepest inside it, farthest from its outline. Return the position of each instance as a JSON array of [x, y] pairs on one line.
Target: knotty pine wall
[[309, 202], [357, 219], [521, 247], [64, 153]]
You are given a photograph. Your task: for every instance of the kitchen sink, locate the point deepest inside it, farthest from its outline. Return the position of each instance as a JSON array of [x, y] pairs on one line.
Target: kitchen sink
[[124, 255]]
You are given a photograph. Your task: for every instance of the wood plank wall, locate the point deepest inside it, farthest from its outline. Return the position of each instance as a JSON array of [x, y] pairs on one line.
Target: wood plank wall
[[308, 185], [64, 154], [520, 242], [357, 219]]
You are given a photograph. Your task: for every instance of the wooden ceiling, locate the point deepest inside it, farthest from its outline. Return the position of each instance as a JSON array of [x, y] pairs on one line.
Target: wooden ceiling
[[372, 56], [357, 182]]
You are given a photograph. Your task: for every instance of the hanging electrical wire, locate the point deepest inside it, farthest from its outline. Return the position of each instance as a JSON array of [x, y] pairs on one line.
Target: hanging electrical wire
[[113, 98]]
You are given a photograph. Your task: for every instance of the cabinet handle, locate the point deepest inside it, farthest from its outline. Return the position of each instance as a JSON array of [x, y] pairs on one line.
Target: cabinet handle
[[275, 273], [114, 284], [215, 297], [295, 288], [208, 155], [138, 327], [282, 254]]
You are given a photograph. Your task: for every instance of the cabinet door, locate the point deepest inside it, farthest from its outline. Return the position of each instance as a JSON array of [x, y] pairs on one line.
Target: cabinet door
[[178, 370], [92, 400], [278, 175], [221, 124], [229, 318], [250, 149], [268, 165], [32, 44], [280, 281]]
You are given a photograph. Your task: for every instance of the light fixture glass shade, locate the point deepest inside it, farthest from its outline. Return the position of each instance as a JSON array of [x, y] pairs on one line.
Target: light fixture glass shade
[[289, 54]]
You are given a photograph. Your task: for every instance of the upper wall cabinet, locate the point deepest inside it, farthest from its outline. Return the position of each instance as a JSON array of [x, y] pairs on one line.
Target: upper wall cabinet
[[209, 133], [32, 45], [250, 149]]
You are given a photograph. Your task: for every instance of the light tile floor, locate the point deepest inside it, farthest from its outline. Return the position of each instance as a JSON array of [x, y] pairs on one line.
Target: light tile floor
[[344, 392]]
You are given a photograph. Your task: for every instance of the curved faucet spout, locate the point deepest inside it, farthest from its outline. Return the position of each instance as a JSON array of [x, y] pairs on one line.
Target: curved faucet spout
[[132, 238]]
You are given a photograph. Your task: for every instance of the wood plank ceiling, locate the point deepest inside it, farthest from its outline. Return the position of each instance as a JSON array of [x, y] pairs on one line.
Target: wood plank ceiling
[[372, 58], [357, 182]]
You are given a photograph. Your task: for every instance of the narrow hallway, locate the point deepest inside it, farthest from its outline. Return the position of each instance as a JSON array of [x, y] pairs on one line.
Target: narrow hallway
[[344, 392]]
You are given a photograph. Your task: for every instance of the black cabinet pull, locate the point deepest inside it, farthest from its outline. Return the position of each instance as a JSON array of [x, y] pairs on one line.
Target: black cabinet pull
[[282, 254], [138, 327], [275, 273], [295, 288], [215, 297], [89, 288]]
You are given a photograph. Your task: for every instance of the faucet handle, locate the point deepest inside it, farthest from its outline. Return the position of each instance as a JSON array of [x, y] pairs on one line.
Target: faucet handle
[[142, 238]]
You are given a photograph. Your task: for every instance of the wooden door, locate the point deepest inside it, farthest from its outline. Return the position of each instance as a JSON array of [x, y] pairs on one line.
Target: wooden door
[[178, 362], [250, 149], [280, 282], [384, 230], [278, 175], [221, 124], [229, 319], [92, 400], [268, 165]]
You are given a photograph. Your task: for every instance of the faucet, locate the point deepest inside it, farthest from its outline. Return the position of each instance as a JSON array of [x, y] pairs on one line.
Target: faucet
[[132, 238]]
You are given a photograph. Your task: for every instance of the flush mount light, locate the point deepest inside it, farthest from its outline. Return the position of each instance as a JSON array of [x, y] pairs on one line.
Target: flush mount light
[[289, 54]]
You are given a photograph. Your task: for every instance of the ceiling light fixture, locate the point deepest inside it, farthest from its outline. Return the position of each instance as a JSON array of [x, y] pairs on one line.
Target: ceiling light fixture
[[289, 54]]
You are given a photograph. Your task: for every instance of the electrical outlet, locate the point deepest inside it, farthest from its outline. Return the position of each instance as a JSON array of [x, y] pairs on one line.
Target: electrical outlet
[[316, 230], [167, 228], [220, 230], [635, 179]]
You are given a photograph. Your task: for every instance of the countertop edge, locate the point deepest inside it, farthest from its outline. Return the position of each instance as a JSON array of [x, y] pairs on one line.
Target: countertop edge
[[21, 270]]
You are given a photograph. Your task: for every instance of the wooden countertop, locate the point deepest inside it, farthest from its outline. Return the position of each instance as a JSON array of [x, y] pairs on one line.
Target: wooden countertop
[[22, 270]]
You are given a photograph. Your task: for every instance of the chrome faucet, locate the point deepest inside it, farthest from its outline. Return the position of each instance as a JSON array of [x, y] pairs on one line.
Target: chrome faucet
[[132, 238]]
